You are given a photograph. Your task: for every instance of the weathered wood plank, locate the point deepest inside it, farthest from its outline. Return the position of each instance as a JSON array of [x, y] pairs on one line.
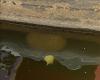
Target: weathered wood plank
[[82, 14]]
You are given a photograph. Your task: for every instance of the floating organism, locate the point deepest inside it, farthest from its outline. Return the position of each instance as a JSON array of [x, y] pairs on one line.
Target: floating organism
[[49, 59], [46, 41]]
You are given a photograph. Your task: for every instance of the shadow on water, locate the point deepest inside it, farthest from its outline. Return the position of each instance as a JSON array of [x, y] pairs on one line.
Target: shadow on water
[[33, 70]]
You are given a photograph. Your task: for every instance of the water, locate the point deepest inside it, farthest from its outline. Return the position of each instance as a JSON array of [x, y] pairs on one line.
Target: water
[[76, 54], [33, 70]]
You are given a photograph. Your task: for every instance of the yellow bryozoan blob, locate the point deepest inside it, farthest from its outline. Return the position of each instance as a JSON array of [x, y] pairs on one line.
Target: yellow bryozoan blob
[[49, 59], [46, 41]]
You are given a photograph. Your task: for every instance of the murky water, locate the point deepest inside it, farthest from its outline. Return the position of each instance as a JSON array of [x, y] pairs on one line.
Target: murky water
[[33, 70], [76, 54]]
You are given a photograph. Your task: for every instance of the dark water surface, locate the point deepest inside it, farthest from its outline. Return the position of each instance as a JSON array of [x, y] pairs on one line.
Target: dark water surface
[[32, 70]]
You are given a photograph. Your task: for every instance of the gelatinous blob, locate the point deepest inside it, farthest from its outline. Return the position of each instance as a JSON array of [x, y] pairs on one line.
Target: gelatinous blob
[[46, 41], [49, 59]]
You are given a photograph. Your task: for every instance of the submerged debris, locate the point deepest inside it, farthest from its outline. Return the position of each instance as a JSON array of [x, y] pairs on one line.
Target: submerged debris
[[8, 64]]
